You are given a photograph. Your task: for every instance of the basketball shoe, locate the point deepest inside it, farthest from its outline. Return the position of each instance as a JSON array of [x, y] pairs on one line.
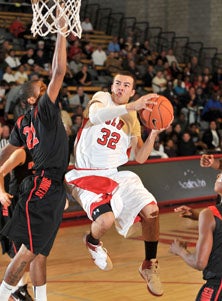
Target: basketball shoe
[[21, 294], [149, 270], [99, 255]]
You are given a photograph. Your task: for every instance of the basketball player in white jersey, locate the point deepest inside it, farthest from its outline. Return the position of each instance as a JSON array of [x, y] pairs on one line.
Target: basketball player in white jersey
[[110, 130]]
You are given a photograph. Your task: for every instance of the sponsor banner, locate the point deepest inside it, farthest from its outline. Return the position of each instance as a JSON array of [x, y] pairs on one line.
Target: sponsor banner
[[176, 180]]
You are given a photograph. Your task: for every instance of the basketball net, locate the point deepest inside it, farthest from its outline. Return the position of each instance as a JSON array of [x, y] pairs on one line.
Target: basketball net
[[45, 20]]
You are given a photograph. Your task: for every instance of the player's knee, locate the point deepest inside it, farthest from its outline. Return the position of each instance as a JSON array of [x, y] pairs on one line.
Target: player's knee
[[105, 221], [152, 211]]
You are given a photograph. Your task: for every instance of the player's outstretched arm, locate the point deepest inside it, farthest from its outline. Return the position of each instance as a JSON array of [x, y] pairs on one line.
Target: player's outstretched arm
[[16, 158], [59, 63]]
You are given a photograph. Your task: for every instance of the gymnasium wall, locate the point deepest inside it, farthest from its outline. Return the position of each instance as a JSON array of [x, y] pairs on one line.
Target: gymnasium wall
[[200, 19], [176, 180]]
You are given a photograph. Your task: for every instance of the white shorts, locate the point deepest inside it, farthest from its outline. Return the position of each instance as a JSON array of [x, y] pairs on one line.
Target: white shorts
[[127, 199]]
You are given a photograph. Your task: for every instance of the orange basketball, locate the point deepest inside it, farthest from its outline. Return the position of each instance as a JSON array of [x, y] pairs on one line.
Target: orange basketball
[[161, 116]]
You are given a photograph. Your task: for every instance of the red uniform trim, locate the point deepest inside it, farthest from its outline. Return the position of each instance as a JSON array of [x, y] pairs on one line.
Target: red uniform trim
[[96, 184], [19, 120], [215, 211], [28, 217], [218, 292]]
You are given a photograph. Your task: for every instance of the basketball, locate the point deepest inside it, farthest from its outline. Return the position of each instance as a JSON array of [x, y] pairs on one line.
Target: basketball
[[161, 116]]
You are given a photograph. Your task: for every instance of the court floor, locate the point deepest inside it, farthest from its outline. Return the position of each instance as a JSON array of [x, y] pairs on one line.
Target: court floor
[[73, 276]]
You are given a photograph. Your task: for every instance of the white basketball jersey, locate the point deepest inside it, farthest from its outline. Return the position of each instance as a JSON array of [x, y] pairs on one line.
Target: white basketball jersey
[[105, 145]]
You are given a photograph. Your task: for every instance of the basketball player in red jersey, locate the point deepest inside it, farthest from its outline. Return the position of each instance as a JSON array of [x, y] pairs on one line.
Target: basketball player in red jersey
[[110, 130], [38, 214], [207, 257]]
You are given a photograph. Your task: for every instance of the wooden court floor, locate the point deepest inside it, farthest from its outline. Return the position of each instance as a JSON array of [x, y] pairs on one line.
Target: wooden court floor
[[72, 276]]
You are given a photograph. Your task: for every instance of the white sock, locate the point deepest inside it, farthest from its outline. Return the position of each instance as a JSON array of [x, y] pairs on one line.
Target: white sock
[[24, 280], [5, 291], [39, 293]]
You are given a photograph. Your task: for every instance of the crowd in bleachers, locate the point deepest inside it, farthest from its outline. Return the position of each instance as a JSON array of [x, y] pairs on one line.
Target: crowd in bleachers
[[194, 90]]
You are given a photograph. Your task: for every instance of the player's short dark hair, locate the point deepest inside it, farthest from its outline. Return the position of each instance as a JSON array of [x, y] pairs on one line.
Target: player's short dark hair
[[127, 73], [27, 90]]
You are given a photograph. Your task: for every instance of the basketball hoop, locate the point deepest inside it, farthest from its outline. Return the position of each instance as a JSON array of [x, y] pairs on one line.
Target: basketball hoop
[[46, 21]]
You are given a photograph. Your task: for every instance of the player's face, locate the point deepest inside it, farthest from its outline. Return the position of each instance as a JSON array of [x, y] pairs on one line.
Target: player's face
[[218, 184], [122, 89]]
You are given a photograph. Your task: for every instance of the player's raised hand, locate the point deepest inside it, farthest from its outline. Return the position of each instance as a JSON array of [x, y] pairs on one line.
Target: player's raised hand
[[177, 246], [187, 212], [143, 102], [206, 160], [5, 199]]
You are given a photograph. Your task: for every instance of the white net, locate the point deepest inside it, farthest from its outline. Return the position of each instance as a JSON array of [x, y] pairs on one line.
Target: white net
[[46, 20]]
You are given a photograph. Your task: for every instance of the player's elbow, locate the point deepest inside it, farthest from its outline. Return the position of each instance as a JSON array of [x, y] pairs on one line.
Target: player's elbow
[[201, 264], [139, 160]]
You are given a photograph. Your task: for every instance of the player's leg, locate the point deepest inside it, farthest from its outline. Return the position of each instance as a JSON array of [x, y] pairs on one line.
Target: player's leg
[[38, 277], [103, 220], [21, 291], [15, 271], [149, 269]]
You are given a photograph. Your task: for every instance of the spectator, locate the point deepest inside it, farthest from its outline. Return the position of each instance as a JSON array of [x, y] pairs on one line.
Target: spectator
[[99, 56], [174, 69], [12, 60], [177, 133], [87, 50], [217, 77], [171, 57], [40, 59], [113, 45], [194, 129], [158, 150], [83, 77], [191, 112], [148, 76], [5, 47], [65, 98], [133, 69], [145, 49], [211, 137], [17, 28], [27, 59], [80, 98], [180, 90], [170, 148], [76, 123], [113, 64], [213, 107], [21, 75], [195, 68], [3, 89], [159, 83], [87, 26], [200, 99], [11, 99], [8, 75], [159, 65], [170, 94], [75, 65], [186, 146], [74, 49]]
